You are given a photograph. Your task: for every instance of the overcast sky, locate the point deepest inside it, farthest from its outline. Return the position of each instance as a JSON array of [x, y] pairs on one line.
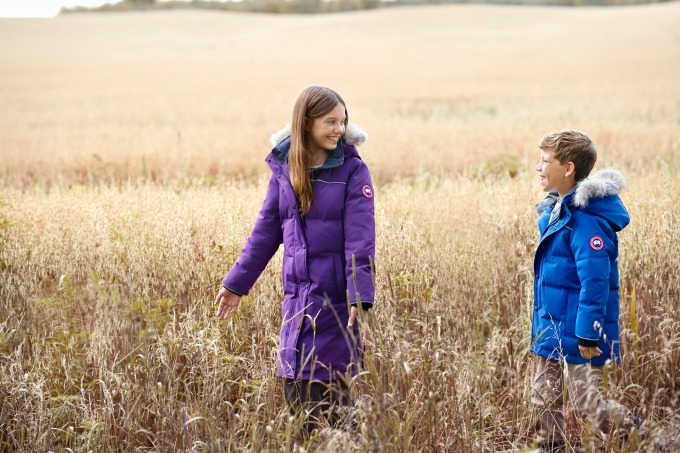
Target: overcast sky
[[42, 8]]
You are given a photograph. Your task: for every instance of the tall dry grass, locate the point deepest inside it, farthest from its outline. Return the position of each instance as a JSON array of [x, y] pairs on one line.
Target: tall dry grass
[[131, 172], [109, 340]]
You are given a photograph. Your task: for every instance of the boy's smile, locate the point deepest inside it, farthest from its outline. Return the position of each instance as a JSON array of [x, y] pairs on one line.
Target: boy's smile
[[554, 176]]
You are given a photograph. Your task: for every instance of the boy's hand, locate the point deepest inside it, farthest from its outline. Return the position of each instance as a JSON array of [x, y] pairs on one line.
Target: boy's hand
[[227, 303], [589, 353]]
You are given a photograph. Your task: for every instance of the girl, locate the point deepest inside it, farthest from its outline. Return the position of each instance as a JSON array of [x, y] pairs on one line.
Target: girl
[[319, 204]]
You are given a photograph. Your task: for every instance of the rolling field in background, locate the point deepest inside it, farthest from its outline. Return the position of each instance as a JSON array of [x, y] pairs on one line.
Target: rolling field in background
[[131, 172]]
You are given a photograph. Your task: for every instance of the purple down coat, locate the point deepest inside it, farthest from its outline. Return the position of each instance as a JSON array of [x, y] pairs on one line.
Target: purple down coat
[[328, 257]]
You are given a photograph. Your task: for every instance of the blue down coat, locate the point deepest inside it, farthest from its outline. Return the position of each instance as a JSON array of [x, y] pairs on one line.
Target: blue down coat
[[320, 249], [576, 271]]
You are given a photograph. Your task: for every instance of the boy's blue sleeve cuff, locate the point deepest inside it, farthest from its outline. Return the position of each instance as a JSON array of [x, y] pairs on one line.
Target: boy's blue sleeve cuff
[[587, 343], [365, 305]]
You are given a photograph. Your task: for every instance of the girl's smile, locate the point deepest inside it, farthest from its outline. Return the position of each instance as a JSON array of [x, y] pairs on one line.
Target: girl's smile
[[326, 130]]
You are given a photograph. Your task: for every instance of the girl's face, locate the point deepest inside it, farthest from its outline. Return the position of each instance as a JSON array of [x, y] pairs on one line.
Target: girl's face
[[326, 130]]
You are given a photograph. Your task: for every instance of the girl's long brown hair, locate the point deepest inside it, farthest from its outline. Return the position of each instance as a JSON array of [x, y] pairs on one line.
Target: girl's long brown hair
[[313, 102]]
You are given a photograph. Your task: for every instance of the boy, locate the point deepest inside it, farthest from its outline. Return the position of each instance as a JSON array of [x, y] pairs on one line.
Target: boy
[[576, 303]]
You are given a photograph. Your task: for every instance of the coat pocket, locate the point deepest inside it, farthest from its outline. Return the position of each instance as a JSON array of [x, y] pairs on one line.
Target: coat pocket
[[339, 279], [572, 310]]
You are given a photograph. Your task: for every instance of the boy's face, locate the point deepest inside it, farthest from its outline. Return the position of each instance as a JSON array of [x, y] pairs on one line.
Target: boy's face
[[554, 176]]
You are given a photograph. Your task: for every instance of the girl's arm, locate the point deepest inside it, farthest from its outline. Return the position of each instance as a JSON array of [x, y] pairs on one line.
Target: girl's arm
[[262, 244], [359, 228]]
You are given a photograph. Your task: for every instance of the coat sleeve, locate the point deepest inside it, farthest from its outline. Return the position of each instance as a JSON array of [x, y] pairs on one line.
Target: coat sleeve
[[359, 229], [262, 244], [592, 246]]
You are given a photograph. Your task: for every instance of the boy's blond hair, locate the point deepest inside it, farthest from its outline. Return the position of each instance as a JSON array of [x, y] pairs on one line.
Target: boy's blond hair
[[568, 145]]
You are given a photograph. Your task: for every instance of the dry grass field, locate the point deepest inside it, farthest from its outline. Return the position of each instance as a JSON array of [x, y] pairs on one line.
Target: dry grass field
[[131, 171]]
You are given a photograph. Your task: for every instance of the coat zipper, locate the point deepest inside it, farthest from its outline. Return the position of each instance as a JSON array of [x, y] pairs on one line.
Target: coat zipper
[[302, 222]]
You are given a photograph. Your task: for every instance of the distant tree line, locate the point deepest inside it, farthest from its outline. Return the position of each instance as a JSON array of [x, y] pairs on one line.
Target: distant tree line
[[260, 6], [324, 6]]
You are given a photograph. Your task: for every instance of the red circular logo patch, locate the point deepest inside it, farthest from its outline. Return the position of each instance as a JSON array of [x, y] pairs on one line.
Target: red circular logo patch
[[596, 243], [367, 191]]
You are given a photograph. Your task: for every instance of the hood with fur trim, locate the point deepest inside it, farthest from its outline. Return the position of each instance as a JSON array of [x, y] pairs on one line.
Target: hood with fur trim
[[604, 183], [353, 135], [597, 195]]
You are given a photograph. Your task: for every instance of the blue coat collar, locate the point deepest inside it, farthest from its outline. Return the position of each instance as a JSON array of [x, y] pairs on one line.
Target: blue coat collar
[[548, 228]]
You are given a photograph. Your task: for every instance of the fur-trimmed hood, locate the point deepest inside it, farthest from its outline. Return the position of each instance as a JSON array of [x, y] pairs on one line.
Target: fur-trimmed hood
[[604, 183], [353, 135], [597, 195]]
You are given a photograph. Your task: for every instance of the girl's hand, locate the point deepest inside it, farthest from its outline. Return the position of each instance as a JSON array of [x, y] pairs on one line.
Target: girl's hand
[[589, 353], [227, 303], [363, 321]]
